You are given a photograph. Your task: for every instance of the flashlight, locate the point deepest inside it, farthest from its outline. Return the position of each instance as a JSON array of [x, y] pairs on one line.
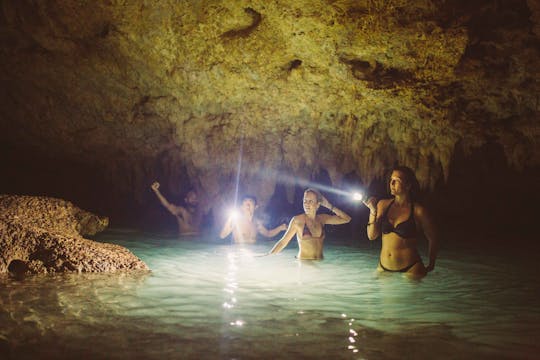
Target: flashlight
[[233, 214], [357, 196]]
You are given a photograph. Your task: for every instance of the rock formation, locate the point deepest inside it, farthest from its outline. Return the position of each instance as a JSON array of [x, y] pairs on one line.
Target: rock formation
[[180, 90], [44, 235]]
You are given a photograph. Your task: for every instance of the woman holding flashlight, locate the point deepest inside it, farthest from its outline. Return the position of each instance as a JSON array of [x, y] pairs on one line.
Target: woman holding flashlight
[[400, 220], [309, 227]]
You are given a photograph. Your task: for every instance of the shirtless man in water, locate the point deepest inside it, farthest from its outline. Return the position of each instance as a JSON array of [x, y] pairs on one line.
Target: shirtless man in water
[[189, 216], [244, 227], [309, 227]]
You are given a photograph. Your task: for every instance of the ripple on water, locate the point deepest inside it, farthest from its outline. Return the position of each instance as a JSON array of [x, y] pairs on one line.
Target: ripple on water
[[220, 300]]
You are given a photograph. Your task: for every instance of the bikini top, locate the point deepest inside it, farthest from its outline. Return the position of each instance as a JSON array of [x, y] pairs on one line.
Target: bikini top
[[307, 232], [405, 229]]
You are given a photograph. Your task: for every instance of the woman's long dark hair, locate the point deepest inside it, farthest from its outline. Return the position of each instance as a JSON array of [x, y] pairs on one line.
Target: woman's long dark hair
[[410, 180]]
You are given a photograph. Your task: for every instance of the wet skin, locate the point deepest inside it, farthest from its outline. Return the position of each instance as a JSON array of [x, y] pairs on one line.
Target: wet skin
[[310, 246], [398, 252]]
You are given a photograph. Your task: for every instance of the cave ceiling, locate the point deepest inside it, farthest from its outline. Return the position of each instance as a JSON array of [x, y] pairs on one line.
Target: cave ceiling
[[170, 87]]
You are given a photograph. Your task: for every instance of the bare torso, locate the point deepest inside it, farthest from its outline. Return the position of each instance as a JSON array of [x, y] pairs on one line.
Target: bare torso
[[309, 227], [245, 231], [398, 252], [189, 221]]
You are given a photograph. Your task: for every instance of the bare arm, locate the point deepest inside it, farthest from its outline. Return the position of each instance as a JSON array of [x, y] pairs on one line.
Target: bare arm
[[429, 231], [172, 209], [340, 217], [270, 233], [227, 228], [286, 238], [374, 221]]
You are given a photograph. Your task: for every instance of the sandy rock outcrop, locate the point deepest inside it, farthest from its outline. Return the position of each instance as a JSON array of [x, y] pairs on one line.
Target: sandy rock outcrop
[[45, 235]]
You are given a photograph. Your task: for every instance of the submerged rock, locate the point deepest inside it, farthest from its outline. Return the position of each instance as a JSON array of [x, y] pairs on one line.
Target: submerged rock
[[45, 235]]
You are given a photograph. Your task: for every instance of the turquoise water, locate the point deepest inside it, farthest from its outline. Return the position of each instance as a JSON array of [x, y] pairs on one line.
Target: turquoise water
[[205, 300]]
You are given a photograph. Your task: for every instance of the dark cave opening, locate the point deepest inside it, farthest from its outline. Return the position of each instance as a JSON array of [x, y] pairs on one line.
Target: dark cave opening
[[483, 195]]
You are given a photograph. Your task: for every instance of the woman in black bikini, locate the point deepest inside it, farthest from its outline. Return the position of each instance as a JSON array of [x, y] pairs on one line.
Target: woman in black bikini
[[400, 220], [309, 227]]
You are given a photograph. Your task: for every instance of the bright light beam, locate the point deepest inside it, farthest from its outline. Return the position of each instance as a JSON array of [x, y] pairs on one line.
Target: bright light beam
[[357, 195], [288, 179], [233, 213], [239, 168]]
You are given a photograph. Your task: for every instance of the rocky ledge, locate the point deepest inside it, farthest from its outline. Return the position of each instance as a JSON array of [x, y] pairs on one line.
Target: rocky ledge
[[45, 235]]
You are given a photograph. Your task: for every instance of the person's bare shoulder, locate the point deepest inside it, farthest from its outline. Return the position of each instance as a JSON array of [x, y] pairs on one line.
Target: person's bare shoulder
[[323, 217], [383, 204], [298, 220], [178, 210]]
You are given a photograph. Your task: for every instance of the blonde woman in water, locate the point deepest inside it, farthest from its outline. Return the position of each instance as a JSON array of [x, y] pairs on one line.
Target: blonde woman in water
[[309, 226]]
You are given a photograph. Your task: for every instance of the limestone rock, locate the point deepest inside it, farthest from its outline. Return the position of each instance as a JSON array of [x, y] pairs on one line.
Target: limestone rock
[[51, 214], [43, 235], [180, 89]]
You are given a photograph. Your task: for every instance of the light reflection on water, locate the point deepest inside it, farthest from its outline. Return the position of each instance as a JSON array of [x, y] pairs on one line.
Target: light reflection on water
[[204, 300]]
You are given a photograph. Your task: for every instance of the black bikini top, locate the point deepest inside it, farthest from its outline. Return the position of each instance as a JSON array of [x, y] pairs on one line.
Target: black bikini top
[[405, 229]]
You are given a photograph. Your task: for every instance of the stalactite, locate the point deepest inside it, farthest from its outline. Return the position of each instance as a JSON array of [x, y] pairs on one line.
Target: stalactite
[[303, 86]]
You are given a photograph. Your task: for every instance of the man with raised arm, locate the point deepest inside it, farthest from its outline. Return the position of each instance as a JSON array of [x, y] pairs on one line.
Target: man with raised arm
[[189, 216]]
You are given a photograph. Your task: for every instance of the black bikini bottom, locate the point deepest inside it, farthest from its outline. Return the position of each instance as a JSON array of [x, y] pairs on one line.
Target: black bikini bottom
[[405, 269]]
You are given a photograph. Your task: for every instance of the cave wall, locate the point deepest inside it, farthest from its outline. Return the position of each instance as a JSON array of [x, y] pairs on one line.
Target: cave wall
[[100, 98]]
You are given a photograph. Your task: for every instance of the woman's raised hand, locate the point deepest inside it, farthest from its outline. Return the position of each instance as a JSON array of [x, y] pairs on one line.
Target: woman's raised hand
[[325, 203], [371, 203]]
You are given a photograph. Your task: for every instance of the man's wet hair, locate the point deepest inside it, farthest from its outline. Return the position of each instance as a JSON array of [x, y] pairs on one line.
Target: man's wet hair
[[187, 191], [186, 195], [249, 197]]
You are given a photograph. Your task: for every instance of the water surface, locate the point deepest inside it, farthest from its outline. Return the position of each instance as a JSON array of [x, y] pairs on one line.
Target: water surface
[[217, 301]]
